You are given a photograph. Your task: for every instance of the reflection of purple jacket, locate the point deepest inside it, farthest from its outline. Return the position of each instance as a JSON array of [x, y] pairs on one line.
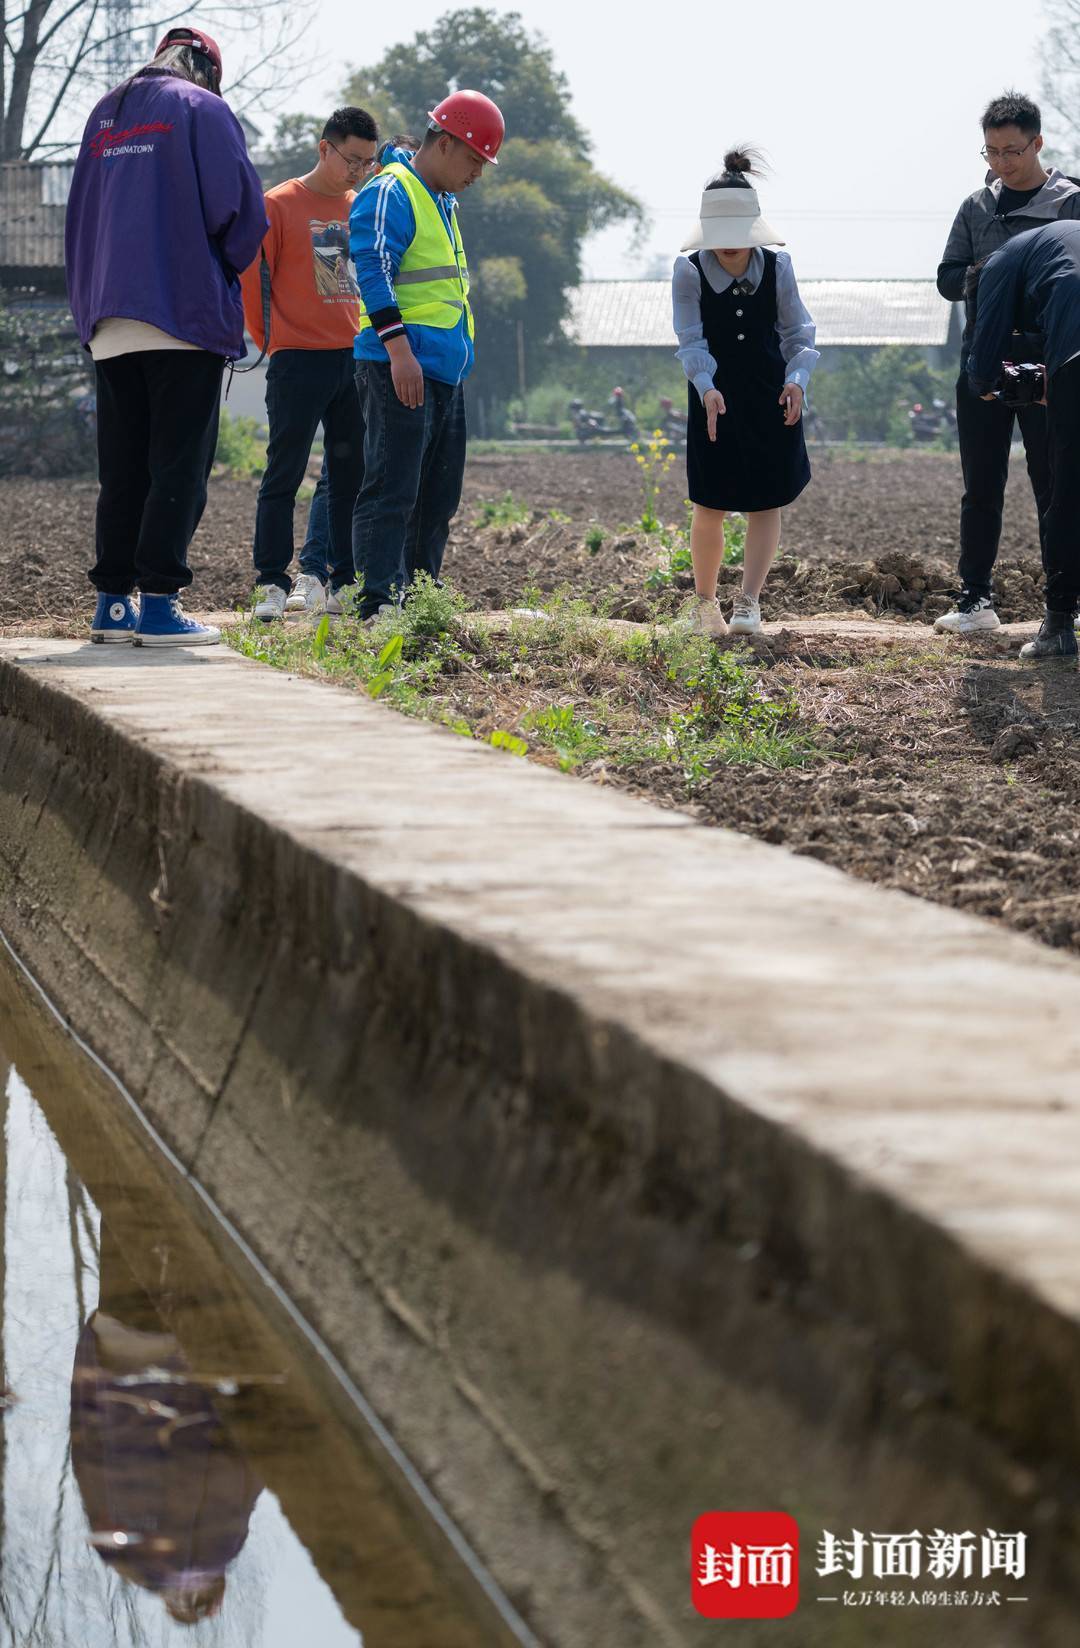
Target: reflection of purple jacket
[[182, 1493], [165, 211]]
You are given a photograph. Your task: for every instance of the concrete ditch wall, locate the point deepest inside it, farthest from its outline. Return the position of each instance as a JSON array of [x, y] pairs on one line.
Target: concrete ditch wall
[[633, 1169]]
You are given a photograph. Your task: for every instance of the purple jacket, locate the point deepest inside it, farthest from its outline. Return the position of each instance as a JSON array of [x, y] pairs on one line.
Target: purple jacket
[[165, 211]]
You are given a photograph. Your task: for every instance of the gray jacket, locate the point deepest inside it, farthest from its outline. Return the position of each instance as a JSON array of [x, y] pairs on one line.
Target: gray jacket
[[977, 231]]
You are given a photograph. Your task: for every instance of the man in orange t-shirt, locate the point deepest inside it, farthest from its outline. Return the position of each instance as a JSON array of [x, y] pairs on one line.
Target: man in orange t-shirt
[[314, 317]]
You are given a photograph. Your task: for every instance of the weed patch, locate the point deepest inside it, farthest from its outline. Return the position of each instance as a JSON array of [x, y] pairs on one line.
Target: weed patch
[[557, 685], [504, 511]]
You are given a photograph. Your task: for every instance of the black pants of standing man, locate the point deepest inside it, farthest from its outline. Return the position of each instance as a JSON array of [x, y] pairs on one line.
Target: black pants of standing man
[[306, 387], [157, 424], [985, 430]]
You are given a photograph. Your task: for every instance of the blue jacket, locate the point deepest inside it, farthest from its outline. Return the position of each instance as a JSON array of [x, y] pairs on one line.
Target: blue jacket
[[165, 211], [1031, 285], [381, 227]]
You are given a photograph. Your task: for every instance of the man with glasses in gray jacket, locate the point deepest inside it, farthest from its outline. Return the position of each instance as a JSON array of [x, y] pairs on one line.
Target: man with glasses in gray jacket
[[1020, 194]]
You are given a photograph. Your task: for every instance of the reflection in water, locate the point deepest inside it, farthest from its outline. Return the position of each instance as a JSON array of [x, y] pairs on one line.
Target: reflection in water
[[167, 1494], [177, 1465], [133, 1529], [145, 1497]]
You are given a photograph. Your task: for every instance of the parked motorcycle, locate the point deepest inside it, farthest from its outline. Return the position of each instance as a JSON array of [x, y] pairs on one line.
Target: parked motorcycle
[[588, 426], [625, 422], [930, 422]]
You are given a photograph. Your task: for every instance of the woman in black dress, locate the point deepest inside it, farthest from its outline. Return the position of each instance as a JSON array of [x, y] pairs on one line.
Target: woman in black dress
[[747, 345]]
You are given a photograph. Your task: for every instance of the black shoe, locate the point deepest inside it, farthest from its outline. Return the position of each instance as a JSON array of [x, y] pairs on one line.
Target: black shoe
[[1056, 639]]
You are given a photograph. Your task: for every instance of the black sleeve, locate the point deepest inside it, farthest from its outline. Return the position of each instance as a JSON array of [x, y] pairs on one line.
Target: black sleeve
[[950, 280]]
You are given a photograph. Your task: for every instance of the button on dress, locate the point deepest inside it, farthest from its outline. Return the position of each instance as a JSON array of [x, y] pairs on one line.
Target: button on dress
[[756, 462]]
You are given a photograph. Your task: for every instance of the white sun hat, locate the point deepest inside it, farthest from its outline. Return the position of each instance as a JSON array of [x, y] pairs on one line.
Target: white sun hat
[[730, 217]]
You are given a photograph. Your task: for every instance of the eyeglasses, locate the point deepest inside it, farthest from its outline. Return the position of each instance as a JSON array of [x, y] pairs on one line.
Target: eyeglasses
[[1007, 154], [358, 166]]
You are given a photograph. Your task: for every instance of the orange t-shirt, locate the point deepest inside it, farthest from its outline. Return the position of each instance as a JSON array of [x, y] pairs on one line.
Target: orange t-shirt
[[315, 301]]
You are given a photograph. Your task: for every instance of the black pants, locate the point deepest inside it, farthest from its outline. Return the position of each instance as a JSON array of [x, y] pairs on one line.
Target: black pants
[[306, 387], [414, 462], [985, 429], [157, 423], [1062, 555]]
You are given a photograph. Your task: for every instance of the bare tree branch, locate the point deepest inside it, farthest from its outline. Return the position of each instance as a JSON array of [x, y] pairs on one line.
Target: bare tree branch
[[58, 46], [61, 89]]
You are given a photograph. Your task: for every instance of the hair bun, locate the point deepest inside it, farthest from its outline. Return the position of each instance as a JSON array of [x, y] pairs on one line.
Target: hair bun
[[738, 160]]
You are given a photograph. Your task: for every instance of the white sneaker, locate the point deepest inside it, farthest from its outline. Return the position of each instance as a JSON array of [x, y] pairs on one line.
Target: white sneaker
[[307, 595], [269, 602], [342, 601], [971, 614], [703, 617], [745, 615]]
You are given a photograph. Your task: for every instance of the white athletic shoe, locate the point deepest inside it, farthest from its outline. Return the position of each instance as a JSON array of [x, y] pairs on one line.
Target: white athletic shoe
[[703, 617], [308, 595], [745, 615], [971, 615], [342, 601], [269, 602]]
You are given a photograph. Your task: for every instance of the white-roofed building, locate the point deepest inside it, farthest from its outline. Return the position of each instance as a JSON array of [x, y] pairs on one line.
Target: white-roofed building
[[850, 314]]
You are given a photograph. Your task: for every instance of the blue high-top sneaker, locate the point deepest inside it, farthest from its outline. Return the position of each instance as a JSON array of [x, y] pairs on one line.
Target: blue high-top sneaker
[[114, 619], [163, 623]]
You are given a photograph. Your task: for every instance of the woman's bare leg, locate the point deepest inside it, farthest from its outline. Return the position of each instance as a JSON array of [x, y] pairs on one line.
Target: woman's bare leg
[[707, 549], [762, 543]]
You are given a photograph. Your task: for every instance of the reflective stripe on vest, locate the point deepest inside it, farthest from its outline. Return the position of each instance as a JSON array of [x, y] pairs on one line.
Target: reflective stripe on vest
[[430, 291]]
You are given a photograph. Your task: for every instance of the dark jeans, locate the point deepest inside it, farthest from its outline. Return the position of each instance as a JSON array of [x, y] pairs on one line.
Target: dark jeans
[[157, 424], [985, 429], [1062, 556], [414, 460], [306, 387], [315, 555]]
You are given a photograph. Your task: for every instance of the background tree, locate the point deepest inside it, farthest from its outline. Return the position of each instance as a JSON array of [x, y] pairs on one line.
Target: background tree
[[1061, 80], [291, 152], [525, 223], [58, 56]]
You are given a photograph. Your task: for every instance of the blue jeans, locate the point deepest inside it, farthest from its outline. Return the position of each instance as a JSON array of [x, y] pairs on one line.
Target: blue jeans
[[414, 461], [315, 555], [306, 387]]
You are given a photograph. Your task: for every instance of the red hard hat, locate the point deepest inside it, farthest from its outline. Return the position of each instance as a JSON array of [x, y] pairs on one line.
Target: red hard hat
[[475, 119], [183, 36]]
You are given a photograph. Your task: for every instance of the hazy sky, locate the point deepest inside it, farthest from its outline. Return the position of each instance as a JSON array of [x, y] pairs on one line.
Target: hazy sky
[[869, 116]]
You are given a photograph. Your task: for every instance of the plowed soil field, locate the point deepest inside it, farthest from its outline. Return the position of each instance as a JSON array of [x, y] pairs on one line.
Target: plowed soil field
[[954, 775], [875, 531]]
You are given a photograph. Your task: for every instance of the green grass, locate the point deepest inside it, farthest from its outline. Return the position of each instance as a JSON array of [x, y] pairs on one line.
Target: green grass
[[561, 687], [504, 511], [241, 446]]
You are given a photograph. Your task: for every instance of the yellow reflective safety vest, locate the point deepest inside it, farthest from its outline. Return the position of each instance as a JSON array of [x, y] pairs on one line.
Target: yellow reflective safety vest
[[432, 283]]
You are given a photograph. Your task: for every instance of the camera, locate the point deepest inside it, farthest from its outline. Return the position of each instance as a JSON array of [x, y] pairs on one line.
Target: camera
[[1021, 385]]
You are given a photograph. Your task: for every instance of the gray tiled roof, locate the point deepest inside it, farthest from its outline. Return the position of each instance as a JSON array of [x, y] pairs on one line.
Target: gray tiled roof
[[32, 204], [637, 313]]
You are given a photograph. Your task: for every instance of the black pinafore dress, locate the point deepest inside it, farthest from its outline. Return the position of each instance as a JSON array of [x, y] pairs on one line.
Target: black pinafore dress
[[756, 462]]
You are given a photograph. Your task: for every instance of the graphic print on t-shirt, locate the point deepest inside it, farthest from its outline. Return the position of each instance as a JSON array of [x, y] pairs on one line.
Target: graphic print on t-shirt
[[334, 279]]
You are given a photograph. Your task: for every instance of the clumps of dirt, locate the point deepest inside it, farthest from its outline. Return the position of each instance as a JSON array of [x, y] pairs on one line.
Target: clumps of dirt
[[903, 585], [875, 532], [493, 566], [958, 784]]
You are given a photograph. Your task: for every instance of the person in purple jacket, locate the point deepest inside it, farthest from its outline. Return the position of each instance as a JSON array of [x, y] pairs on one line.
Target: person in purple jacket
[[165, 210]]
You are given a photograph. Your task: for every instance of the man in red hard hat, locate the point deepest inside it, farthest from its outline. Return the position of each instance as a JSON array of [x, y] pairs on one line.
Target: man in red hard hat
[[414, 348]]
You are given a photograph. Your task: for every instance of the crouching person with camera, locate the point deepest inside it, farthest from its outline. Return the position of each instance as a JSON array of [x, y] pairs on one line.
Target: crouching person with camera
[[1032, 285]]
